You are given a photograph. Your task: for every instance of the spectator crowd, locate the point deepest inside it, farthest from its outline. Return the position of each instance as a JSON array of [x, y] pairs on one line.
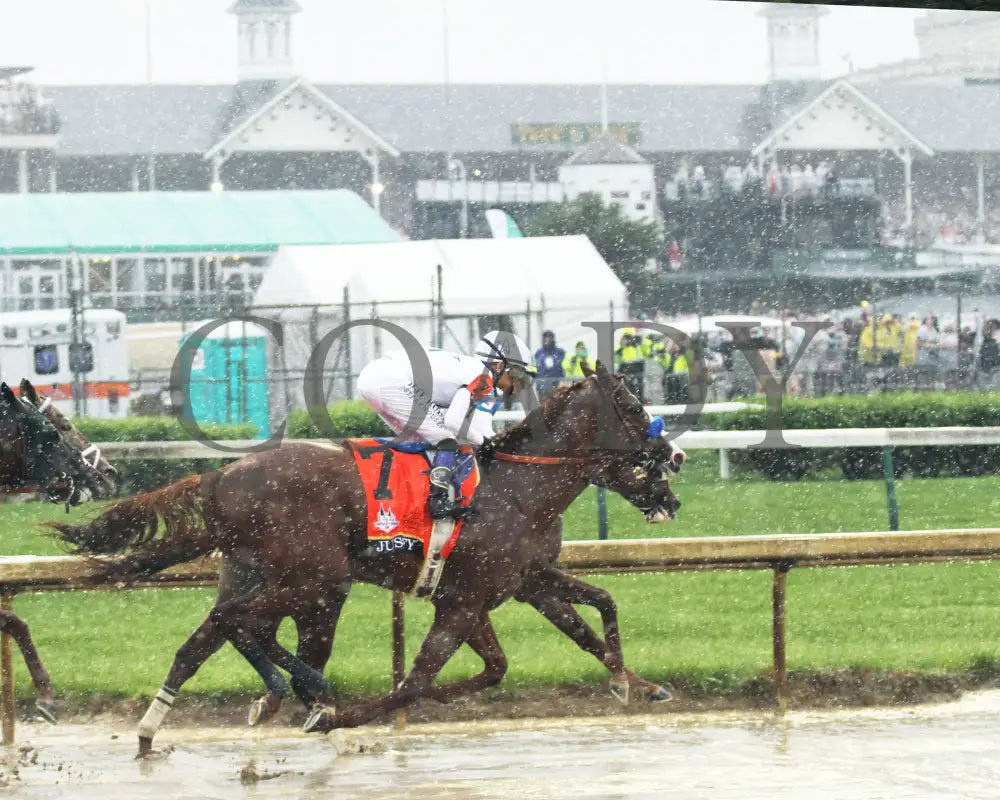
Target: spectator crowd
[[859, 354]]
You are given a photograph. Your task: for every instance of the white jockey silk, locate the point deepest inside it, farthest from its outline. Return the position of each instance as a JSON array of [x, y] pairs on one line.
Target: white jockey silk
[[388, 386]]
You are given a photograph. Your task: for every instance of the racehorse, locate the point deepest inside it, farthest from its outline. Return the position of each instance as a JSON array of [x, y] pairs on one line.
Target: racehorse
[[34, 458], [550, 592], [104, 482], [297, 514]]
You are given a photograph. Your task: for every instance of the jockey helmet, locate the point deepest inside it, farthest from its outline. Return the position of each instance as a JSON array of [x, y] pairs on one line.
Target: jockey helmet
[[502, 351]]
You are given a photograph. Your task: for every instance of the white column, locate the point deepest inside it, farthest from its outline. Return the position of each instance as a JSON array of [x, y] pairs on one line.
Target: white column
[[981, 197], [53, 178], [216, 174], [907, 158], [135, 176], [22, 171], [151, 161], [377, 184]]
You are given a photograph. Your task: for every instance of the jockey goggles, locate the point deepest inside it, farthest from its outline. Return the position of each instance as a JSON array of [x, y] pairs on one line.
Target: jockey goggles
[[519, 370]]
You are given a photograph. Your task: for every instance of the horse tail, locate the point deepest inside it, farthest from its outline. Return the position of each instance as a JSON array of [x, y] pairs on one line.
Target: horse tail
[[155, 530]]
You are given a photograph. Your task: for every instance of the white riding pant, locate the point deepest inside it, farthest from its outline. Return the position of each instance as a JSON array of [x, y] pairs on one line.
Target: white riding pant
[[394, 398]]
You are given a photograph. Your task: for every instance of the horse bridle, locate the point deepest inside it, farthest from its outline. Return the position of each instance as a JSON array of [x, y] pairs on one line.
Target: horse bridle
[[22, 486], [595, 455], [90, 449]]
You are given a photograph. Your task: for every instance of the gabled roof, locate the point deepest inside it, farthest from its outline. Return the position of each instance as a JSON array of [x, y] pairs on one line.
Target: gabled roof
[[420, 118], [299, 84], [844, 89], [127, 120], [956, 118], [164, 222], [606, 149]]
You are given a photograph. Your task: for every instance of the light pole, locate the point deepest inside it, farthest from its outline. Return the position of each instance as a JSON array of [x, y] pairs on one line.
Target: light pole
[[456, 171]]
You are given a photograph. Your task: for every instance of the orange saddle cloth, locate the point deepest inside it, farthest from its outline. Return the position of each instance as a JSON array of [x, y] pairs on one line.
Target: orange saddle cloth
[[396, 486]]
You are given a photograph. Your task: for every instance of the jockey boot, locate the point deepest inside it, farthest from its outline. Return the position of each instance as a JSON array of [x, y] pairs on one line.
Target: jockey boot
[[439, 500]]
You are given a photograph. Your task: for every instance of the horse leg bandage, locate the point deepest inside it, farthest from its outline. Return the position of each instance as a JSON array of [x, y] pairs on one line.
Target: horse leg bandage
[[156, 712]]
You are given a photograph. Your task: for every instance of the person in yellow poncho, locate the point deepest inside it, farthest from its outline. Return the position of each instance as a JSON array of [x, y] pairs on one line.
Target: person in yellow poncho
[[890, 340], [574, 362], [908, 358], [630, 360], [866, 344]]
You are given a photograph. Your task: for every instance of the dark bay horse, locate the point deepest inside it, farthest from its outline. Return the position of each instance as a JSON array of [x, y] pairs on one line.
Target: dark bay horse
[[103, 476], [34, 458], [297, 514]]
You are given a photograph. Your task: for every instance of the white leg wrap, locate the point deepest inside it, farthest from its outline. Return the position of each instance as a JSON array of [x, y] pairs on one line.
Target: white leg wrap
[[157, 710]]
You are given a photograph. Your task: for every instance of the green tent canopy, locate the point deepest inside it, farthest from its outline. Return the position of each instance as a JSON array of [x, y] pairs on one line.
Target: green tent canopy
[[190, 222]]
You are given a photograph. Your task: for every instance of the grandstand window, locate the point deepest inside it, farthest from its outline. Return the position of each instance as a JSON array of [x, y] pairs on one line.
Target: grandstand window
[[47, 291]]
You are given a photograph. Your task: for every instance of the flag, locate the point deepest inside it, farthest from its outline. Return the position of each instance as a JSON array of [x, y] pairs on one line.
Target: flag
[[502, 225]]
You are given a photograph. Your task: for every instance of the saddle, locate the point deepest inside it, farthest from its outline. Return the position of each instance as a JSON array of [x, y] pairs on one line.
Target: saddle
[[396, 480]]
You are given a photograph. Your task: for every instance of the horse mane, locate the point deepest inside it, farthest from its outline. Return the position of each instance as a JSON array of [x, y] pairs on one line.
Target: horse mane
[[549, 409]]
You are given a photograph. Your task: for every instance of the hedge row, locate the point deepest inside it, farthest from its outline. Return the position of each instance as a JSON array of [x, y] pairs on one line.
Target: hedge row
[[350, 418], [145, 474], [888, 410]]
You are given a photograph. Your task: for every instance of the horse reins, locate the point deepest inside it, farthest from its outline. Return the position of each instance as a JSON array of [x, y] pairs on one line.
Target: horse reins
[[516, 458]]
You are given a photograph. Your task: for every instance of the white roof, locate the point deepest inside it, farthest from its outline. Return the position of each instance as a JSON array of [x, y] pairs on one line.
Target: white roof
[[478, 276]]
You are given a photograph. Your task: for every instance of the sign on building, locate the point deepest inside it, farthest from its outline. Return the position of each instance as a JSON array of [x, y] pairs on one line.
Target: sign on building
[[571, 134]]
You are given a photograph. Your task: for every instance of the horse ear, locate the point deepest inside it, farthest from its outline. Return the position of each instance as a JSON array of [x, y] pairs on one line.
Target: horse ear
[[9, 397], [28, 391], [585, 369], [601, 370]]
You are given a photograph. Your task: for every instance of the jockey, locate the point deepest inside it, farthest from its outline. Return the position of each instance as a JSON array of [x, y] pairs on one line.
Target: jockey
[[456, 401]]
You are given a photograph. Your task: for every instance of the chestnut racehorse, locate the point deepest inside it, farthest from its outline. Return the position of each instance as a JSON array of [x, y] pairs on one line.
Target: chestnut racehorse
[[297, 514]]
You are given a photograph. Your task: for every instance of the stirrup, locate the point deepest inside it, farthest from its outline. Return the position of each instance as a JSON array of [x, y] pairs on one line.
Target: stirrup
[[464, 512], [439, 502]]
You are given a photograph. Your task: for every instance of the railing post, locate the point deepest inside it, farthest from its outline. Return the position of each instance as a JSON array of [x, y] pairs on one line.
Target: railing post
[[724, 463], [7, 706], [890, 488], [398, 648], [778, 634], [602, 513]]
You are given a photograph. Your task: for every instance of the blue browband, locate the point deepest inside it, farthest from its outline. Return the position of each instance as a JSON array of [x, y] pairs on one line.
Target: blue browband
[[656, 428]]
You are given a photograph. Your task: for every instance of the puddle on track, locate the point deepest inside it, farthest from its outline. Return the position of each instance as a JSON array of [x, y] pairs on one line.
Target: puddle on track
[[942, 751]]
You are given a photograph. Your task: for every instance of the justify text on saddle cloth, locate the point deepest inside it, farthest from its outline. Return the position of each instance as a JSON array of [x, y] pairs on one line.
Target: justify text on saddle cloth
[[452, 409]]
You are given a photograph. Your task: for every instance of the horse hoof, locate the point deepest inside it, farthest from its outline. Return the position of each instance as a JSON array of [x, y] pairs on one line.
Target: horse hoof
[[619, 690], [47, 710], [661, 695], [262, 710], [320, 719], [145, 747]]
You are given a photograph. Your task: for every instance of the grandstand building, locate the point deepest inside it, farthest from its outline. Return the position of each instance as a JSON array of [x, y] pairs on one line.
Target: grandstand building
[[429, 158]]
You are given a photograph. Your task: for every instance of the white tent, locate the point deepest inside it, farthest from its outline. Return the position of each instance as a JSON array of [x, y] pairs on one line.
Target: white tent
[[440, 291]]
